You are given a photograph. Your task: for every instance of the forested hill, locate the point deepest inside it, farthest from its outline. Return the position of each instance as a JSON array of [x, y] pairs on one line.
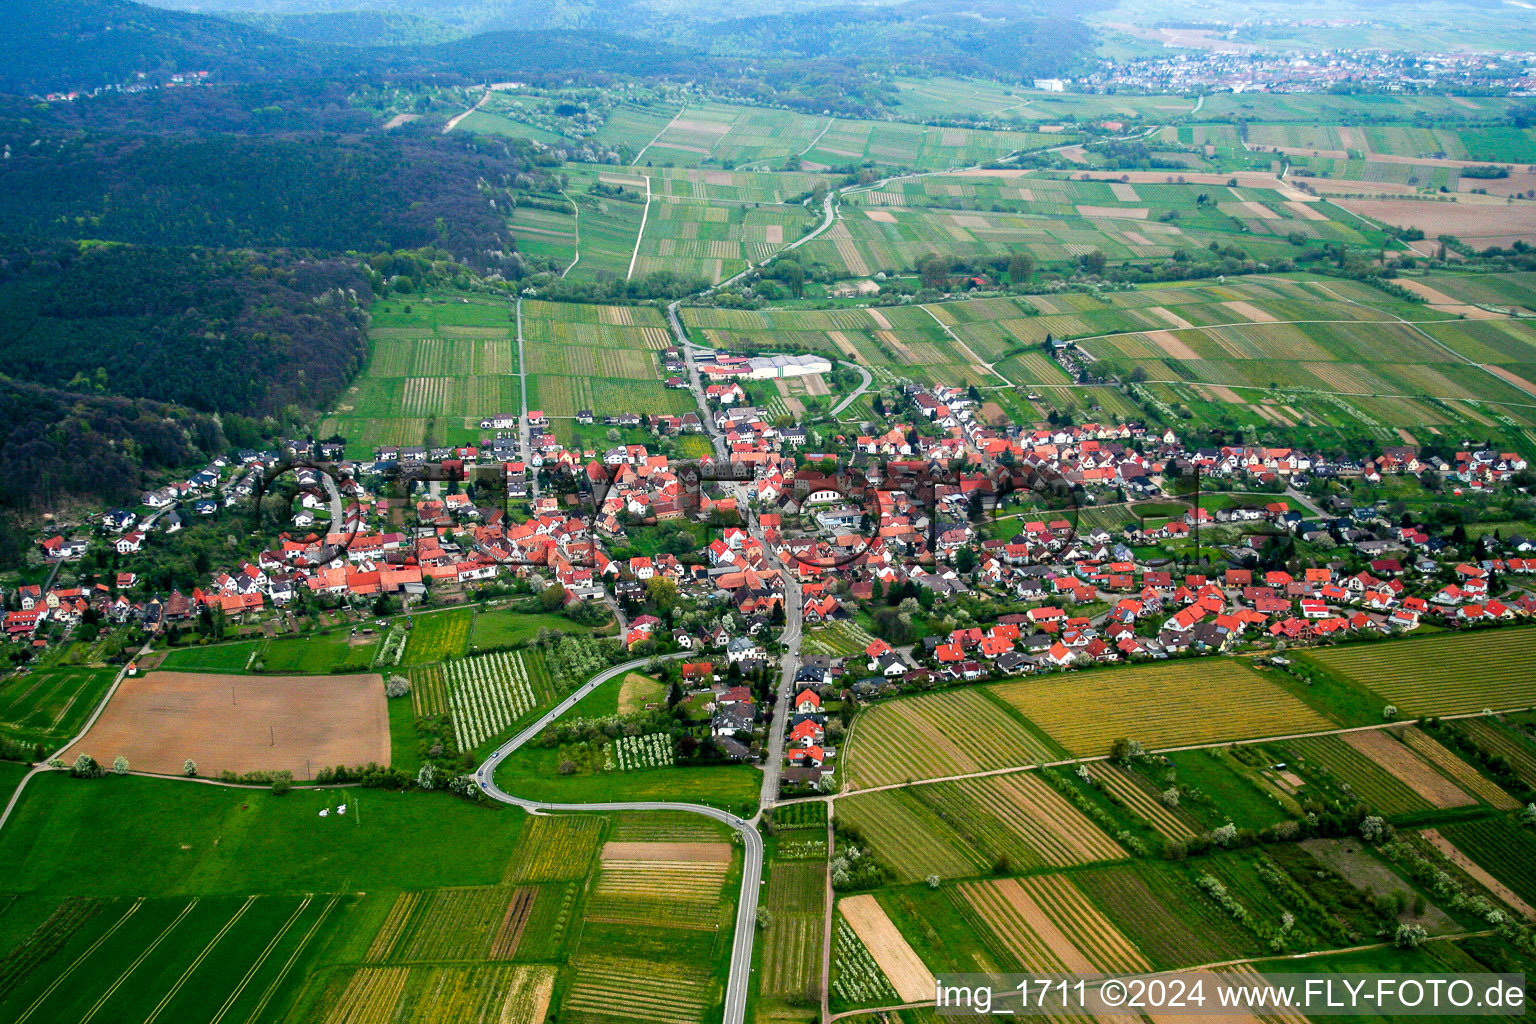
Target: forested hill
[[219, 331], [80, 45], [57, 45], [337, 193], [59, 445]]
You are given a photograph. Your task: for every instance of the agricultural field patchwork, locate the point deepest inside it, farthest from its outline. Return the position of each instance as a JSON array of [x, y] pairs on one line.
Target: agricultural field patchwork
[[1505, 850], [791, 953], [750, 137], [895, 342], [939, 734], [973, 826], [713, 241], [1046, 924], [439, 365], [1311, 354], [1056, 220], [601, 358], [895, 958]]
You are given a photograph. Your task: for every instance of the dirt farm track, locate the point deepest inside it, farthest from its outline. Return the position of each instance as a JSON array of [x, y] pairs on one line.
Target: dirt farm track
[[241, 723]]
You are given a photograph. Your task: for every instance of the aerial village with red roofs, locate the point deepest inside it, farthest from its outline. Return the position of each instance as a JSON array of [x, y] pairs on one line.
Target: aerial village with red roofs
[[795, 570]]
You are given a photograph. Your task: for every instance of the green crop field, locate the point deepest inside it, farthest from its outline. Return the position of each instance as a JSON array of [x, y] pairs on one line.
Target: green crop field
[[438, 635], [439, 365], [50, 704], [186, 958], [791, 960], [1506, 850], [1159, 705], [1445, 674], [602, 358]]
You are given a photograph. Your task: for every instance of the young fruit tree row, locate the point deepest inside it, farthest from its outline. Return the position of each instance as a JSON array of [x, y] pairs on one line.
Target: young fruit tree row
[[632, 753], [486, 694]]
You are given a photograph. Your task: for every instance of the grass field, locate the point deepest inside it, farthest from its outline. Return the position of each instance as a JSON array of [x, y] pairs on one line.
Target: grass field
[[317, 653], [227, 657], [50, 704], [1445, 674], [1159, 705], [507, 627]]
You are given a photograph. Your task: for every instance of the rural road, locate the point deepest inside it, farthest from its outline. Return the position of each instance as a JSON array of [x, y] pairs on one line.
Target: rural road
[[524, 434], [454, 123], [739, 979], [845, 403]]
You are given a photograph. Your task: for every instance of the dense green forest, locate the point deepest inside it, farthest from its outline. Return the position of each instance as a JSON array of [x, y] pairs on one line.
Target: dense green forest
[[221, 331], [60, 445], [82, 44], [403, 190]]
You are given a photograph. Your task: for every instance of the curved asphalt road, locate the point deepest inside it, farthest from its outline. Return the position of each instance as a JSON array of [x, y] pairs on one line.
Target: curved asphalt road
[[738, 981], [868, 380]]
